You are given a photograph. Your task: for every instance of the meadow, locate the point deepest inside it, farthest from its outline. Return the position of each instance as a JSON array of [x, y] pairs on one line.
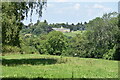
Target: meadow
[[50, 66], [73, 34]]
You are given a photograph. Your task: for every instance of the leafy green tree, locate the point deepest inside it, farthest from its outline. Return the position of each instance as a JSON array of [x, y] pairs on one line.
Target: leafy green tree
[[53, 43], [57, 42], [102, 34], [36, 29], [79, 45], [117, 52], [41, 28], [12, 15], [41, 44]]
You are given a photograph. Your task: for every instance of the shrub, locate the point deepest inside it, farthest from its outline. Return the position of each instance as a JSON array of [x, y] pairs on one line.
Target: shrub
[[56, 43], [68, 52], [10, 49], [28, 49], [110, 54]]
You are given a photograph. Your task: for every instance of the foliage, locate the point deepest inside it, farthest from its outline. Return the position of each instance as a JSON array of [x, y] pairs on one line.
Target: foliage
[[27, 44], [110, 54], [12, 49], [117, 36], [12, 15], [98, 40], [102, 32], [54, 43], [41, 44], [36, 29], [57, 42]]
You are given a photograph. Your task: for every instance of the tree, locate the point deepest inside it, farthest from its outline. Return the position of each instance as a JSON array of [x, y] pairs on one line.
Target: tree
[[53, 43], [40, 28], [45, 21], [79, 45], [102, 34], [117, 53], [56, 43], [12, 15]]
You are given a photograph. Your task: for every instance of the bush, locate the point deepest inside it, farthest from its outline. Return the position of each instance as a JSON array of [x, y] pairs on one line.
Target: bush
[[68, 52], [10, 49], [56, 43], [28, 49], [110, 54]]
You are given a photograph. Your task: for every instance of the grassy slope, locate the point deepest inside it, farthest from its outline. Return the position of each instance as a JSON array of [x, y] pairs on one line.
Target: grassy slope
[[72, 34], [47, 66]]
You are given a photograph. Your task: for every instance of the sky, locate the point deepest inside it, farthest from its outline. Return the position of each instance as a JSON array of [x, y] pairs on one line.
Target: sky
[[74, 11]]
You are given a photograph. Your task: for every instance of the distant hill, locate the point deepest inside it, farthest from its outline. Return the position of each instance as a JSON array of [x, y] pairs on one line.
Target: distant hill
[[73, 33]]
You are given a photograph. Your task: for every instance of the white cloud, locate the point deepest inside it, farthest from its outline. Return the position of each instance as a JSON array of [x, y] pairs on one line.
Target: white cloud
[[77, 6], [67, 9], [98, 6], [97, 10], [104, 8]]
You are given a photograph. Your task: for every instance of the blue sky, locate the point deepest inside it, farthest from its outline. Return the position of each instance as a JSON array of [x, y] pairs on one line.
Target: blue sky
[[62, 11]]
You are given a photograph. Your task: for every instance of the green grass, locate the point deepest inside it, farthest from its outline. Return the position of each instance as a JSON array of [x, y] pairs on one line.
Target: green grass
[[73, 34], [47, 66]]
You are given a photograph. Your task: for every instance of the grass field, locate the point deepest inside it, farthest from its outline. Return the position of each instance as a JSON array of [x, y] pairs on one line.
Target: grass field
[[47, 66], [72, 34]]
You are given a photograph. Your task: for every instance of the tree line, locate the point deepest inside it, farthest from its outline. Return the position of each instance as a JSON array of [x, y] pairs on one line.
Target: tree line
[[100, 39]]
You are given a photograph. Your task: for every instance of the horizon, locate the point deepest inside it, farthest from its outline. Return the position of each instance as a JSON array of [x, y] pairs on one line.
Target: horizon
[[73, 12]]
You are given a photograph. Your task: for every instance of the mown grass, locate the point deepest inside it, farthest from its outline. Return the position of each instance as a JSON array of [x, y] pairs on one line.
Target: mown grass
[[48, 66]]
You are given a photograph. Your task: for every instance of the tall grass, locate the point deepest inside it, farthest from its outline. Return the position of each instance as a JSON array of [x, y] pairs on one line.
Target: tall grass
[[47, 66]]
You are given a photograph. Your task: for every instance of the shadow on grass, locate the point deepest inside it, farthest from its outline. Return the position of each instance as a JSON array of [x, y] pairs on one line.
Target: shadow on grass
[[15, 62]]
